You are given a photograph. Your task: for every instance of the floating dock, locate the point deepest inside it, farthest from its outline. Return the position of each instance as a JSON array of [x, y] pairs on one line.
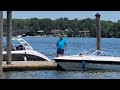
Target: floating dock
[[29, 65]]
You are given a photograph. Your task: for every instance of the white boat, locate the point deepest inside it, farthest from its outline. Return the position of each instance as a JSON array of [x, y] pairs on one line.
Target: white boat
[[91, 60], [23, 52]]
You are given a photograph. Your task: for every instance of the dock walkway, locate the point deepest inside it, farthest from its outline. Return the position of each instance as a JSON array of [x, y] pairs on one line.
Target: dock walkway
[[29, 65]]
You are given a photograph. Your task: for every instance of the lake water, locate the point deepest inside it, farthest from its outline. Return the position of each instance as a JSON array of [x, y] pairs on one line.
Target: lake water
[[47, 46]]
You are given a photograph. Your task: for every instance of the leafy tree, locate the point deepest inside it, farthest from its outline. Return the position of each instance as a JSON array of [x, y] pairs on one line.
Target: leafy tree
[[108, 28]]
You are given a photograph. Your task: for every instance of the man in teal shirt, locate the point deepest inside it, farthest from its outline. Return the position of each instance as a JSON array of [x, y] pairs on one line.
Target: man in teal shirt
[[61, 45]]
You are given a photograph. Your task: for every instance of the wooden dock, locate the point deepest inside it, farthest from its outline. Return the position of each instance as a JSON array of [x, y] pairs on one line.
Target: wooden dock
[[29, 65]]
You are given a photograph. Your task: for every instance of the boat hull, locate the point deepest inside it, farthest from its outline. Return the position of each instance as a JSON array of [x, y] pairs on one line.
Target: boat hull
[[30, 55], [86, 65], [20, 57]]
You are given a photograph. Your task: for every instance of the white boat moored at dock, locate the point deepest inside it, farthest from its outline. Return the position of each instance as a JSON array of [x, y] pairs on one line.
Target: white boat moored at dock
[[91, 60], [24, 52]]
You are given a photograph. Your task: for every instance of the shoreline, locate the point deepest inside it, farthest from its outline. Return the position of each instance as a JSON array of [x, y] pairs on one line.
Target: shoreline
[[67, 37]]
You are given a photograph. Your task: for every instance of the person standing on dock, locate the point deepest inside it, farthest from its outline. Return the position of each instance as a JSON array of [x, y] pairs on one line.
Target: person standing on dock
[[61, 45]]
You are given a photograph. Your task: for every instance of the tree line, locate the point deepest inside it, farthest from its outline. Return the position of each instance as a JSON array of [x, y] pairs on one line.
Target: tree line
[[108, 28]]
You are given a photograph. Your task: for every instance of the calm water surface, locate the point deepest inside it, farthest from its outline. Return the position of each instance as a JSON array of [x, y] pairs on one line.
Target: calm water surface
[[75, 45]]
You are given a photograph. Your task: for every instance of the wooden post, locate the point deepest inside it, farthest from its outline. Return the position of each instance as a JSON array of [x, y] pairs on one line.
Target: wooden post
[[1, 43], [98, 31], [9, 35]]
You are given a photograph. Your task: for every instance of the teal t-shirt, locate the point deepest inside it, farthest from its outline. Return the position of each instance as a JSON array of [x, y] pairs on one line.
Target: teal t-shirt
[[61, 43]]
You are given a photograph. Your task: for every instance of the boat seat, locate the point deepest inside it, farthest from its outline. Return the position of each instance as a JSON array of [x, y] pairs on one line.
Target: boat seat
[[20, 47]]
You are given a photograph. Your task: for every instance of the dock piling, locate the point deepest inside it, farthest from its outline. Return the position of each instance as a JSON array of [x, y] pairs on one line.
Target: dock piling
[[98, 31], [1, 43], [9, 35]]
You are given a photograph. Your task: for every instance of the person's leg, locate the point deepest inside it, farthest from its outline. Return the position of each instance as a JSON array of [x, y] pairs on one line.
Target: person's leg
[[62, 52], [58, 52], [57, 55]]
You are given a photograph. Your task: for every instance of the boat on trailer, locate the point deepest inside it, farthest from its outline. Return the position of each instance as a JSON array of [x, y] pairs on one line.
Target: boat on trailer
[[23, 52], [91, 60]]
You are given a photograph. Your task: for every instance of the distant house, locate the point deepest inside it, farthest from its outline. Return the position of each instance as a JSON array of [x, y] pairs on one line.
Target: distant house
[[84, 33], [40, 32], [16, 32], [66, 30], [55, 32]]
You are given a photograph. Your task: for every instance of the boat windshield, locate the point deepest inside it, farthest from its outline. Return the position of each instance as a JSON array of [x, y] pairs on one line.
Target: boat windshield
[[91, 52], [97, 53], [104, 54]]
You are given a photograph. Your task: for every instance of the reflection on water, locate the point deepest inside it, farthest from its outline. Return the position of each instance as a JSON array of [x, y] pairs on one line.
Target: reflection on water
[[47, 46], [54, 74]]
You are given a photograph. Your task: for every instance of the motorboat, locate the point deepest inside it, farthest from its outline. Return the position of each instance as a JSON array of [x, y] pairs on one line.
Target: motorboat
[[23, 51], [90, 60]]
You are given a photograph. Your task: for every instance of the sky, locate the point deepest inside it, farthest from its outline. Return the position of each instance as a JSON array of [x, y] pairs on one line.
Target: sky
[[105, 15]]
